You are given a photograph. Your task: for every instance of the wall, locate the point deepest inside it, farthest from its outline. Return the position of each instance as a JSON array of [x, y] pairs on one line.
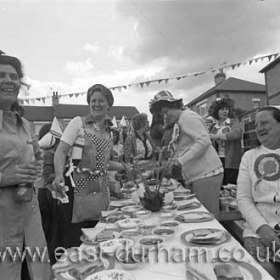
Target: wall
[[273, 84], [242, 100]]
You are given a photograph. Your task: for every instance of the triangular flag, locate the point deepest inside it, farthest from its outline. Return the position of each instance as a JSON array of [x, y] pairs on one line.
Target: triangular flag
[[166, 80], [141, 85], [178, 78], [124, 87], [71, 95], [159, 81], [269, 57], [114, 122], [44, 100], [123, 121], [147, 83], [56, 128]]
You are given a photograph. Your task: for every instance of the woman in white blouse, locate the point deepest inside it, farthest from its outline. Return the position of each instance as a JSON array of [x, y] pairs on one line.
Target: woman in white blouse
[[258, 192]]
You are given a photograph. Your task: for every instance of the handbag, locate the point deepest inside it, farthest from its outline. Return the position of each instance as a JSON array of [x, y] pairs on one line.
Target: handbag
[[88, 204], [92, 197]]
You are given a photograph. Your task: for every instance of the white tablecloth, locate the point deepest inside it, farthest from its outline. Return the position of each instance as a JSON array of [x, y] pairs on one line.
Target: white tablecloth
[[163, 270]]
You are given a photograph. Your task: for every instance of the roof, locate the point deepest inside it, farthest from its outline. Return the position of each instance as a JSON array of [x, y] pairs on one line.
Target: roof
[[270, 65], [69, 111], [231, 85]]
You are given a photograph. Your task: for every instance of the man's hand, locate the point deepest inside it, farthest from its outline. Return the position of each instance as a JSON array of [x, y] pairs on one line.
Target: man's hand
[[20, 174]]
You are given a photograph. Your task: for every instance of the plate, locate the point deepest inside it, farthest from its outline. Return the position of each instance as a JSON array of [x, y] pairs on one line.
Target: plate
[[121, 203], [110, 246], [131, 208], [248, 271], [116, 217], [194, 217], [96, 242], [113, 274], [108, 262], [188, 205], [184, 196], [129, 223], [187, 236]]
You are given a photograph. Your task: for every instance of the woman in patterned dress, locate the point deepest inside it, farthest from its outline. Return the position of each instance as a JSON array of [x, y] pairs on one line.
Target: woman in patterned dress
[[89, 141]]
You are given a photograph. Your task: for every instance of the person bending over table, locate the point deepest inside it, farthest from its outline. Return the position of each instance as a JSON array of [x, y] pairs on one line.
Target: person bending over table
[[194, 153], [258, 187]]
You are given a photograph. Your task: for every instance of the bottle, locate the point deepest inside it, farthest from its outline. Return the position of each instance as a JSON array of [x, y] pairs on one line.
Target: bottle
[[24, 192]]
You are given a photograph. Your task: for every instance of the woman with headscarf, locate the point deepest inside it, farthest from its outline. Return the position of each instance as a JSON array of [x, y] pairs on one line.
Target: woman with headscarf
[[20, 220], [194, 153], [226, 135], [89, 141]]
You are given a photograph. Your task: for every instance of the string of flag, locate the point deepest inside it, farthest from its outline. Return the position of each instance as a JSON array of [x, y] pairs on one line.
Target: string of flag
[[162, 80]]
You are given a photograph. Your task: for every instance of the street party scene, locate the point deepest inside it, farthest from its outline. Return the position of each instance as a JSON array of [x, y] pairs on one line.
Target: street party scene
[[115, 172]]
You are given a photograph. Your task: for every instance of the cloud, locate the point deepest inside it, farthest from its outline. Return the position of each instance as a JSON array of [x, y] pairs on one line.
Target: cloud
[[79, 68], [197, 35], [93, 48], [115, 52]]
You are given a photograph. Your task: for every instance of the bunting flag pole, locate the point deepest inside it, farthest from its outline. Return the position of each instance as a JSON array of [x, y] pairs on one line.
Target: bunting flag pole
[[165, 80]]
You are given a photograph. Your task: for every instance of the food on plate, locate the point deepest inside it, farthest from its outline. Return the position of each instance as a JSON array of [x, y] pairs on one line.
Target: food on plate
[[116, 217], [110, 246], [227, 271], [131, 256], [85, 269], [210, 235], [169, 208], [151, 240], [163, 231], [129, 223], [171, 224], [105, 235], [194, 216], [129, 233]]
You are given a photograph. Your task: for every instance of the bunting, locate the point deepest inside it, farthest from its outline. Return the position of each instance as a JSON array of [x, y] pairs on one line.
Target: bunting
[[165, 80]]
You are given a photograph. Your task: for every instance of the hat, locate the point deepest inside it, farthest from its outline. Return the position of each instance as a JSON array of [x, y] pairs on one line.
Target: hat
[[163, 95]]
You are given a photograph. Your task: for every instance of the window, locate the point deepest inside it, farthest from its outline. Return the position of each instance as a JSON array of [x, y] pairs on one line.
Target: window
[[202, 108], [256, 103]]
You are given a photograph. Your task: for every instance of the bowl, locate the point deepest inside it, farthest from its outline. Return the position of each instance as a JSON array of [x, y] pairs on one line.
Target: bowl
[[171, 224], [131, 259], [151, 241], [131, 209], [111, 246], [172, 208], [129, 223], [166, 232], [132, 234], [143, 214], [147, 228]]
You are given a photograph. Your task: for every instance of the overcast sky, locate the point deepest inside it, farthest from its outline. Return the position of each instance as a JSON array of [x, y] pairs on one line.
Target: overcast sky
[[68, 46]]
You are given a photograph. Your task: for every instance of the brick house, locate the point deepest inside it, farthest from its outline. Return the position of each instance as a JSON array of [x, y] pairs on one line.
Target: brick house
[[272, 81], [40, 115], [247, 95]]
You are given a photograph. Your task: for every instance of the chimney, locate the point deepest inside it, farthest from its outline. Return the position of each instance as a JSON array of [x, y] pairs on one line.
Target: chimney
[[55, 102], [219, 78], [55, 99]]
